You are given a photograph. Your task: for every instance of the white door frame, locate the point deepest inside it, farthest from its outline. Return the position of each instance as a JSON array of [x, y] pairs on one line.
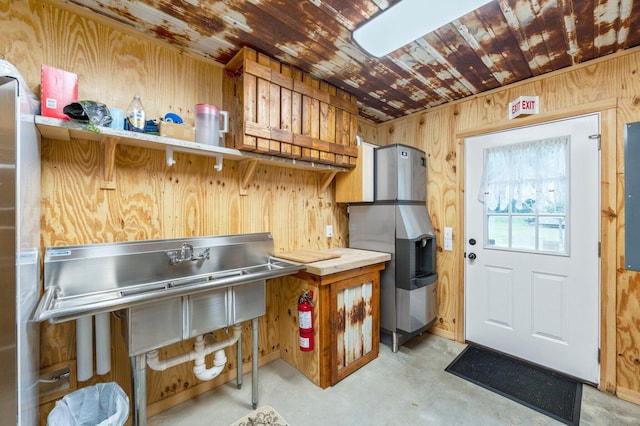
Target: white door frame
[[608, 227]]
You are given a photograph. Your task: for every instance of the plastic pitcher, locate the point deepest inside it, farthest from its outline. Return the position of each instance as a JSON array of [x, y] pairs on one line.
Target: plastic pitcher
[[208, 129]]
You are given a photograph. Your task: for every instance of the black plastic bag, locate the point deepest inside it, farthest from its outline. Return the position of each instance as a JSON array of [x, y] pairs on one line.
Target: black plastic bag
[[95, 113]]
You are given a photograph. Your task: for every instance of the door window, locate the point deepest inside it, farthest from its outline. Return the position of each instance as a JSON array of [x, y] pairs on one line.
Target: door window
[[525, 190]]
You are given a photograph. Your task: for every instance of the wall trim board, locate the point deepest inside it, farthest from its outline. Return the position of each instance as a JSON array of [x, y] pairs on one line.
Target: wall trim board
[[608, 253], [560, 114], [443, 333], [628, 395], [460, 318], [608, 220], [571, 69]]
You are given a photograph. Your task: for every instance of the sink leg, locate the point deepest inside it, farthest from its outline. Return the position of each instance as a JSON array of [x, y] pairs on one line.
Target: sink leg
[[254, 363], [239, 362], [139, 389]]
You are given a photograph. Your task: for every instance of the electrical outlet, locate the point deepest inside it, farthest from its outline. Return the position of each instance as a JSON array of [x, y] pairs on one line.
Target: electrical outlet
[[329, 231], [57, 381], [448, 245]]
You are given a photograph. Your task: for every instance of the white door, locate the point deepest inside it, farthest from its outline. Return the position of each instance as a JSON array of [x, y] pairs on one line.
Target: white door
[[532, 244]]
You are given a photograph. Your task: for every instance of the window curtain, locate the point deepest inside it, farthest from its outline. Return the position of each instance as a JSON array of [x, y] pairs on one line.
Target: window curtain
[[527, 177]]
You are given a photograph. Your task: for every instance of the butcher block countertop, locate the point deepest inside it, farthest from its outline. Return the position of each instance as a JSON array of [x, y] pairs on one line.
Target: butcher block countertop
[[348, 259]]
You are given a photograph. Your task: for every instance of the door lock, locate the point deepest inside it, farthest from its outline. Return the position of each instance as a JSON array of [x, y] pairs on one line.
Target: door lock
[[472, 241]]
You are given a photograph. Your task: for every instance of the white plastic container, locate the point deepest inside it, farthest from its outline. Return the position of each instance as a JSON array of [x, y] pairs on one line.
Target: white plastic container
[[208, 129]]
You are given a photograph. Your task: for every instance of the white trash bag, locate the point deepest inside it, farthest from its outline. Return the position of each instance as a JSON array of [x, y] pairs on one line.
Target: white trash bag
[[103, 404]]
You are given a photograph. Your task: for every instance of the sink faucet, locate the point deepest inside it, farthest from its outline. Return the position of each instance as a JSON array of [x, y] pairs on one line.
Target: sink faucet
[[186, 253]]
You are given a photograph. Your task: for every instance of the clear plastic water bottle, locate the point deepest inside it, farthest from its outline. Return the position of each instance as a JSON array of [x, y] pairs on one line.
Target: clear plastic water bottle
[[135, 115]]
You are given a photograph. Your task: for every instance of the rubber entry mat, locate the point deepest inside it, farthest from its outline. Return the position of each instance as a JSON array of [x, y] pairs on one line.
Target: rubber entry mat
[[544, 391]]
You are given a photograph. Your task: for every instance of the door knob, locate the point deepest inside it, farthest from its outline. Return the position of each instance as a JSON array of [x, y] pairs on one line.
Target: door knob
[[472, 256], [472, 241]]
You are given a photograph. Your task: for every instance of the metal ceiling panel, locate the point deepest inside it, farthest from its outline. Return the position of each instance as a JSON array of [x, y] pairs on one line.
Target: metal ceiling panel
[[500, 43]]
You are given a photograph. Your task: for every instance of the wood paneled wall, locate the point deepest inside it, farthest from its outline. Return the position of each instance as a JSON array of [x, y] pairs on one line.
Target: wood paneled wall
[[152, 200], [609, 85]]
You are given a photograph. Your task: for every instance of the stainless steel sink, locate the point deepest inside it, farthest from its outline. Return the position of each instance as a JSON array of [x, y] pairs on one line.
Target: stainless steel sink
[[89, 279], [171, 290]]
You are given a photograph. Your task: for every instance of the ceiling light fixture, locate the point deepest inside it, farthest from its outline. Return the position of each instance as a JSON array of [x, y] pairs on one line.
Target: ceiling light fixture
[[407, 21]]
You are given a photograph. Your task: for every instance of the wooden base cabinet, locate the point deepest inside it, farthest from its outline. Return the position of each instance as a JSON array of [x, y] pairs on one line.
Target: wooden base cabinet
[[346, 322]]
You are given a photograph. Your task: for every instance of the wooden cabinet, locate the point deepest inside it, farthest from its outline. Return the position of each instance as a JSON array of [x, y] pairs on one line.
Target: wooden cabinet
[[346, 322], [357, 185], [277, 109]]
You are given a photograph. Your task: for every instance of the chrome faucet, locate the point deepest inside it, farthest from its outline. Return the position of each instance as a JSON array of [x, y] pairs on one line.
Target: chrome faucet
[[186, 253]]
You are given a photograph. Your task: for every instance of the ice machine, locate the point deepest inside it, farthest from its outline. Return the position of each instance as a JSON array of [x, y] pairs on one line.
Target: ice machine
[[397, 222]]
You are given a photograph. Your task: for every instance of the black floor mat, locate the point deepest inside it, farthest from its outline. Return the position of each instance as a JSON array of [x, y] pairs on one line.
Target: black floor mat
[[545, 391]]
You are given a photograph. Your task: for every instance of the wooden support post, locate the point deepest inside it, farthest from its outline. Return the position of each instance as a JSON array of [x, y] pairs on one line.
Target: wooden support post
[[109, 145], [246, 173], [325, 181]]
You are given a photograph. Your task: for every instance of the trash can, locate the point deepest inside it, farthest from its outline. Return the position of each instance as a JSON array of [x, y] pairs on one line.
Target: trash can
[[103, 404]]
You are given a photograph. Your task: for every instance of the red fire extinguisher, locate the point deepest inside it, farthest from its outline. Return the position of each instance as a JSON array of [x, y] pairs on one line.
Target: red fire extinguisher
[[305, 321]]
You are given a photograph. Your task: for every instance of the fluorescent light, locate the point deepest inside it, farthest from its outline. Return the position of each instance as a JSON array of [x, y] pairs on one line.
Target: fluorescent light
[[407, 21]]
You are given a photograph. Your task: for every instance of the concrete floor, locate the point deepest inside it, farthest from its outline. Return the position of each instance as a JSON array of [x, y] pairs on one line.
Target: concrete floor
[[409, 387]]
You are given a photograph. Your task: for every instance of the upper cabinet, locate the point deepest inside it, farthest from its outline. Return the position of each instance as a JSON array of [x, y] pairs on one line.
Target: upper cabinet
[[278, 110], [357, 185]]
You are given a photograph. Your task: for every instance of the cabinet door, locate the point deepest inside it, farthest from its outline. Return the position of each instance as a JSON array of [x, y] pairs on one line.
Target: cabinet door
[[355, 323]]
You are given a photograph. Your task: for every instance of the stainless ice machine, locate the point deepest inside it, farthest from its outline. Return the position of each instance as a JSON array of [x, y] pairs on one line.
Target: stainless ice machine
[[397, 222], [400, 174]]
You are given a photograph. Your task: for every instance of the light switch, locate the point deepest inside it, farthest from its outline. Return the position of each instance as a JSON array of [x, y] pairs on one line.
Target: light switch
[[448, 238], [448, 233]]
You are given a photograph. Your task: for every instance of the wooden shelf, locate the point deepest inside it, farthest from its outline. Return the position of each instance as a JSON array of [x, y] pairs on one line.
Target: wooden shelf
[[56, 129]]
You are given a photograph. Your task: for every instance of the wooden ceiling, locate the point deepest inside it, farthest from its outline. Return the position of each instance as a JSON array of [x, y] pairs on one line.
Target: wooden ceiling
[[500, 43]]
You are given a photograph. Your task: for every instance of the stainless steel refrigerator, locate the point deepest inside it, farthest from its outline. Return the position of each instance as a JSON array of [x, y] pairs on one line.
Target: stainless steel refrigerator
[[19, 258], [397, 222]]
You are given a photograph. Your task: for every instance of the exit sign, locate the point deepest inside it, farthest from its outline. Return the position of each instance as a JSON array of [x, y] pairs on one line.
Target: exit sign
[[524, 105]]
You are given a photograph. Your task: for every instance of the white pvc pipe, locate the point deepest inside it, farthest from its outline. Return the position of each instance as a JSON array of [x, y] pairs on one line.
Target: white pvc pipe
[[198, 355], [103, 343], [237, 333], [203, 373], [84, 348], [154, 362]]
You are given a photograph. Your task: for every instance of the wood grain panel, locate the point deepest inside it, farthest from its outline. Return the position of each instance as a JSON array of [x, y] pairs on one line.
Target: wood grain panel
[[307, 362], [434, 129], [286, 107], [367, 131], [628, 288], [628, 339]]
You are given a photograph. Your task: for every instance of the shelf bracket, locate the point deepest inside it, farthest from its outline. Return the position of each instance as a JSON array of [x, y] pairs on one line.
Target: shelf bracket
[[218, 165], [169, 155], [170, 160], [109, 145], [246, 173], [325, 181]]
